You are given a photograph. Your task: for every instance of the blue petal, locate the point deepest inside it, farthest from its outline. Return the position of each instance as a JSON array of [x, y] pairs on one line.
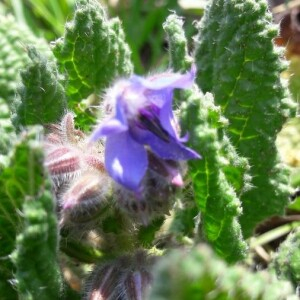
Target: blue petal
[[111, 126], [162, 101], [168, 80], [125, 160], [166, 117], [173, 149]]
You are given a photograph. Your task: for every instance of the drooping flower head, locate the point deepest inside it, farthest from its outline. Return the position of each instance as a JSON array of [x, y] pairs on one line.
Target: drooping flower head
[[141, 119], [127, 277]]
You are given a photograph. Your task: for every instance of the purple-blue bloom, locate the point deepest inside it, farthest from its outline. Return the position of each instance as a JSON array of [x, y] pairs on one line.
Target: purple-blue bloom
[[141, 119]]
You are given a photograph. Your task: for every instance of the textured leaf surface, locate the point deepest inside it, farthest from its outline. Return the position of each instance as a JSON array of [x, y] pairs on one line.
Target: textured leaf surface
[[287, 259], [93, 53], [238, 63], [180, 60], [42, 97], [13, 183], [7, 134], [221, 167], [13, 56], [235, 167], [35, 260], [26, 210], [199, 274], [214, 194]]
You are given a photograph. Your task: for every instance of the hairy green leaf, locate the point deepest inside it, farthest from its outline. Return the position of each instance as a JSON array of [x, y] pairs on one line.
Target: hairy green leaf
[[29, 214], [220, 175], [214, 194], [238, 63], [287, 258], [93, 53], [7, 134], [180, 60], [24, 180], [42, 97]]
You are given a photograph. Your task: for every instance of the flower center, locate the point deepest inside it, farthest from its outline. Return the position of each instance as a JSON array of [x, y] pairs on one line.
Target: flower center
[[148, 119]]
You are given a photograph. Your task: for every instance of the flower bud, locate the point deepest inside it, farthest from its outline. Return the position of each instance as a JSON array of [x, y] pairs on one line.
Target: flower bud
[[86, 197], [77, 171], [126, 278], [62, 161], [135, 285], [68, 129]]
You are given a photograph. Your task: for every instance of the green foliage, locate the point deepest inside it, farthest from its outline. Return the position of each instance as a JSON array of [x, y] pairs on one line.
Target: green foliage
[[294, 73], [221, 167], [27, 214], [13, 57], [6, 132], [42, 97], [179, 58], [199, 274], [92, 52], [214, 195], [238, 63], [287, 258], [147, 39], [37, 272], [185, 210], [42, 17]]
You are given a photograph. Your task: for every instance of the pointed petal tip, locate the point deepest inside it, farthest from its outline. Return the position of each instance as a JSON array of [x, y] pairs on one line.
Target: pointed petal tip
[[184, 138], [190, 154], [197, 156]]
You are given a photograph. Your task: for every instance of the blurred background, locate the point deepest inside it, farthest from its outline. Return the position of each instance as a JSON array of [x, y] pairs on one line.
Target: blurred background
[[142, 21]]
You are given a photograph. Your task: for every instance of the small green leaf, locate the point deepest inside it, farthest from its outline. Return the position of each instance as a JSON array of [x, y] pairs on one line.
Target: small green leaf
[[222, 173], [146, 234], [214, 194], [180, 60]]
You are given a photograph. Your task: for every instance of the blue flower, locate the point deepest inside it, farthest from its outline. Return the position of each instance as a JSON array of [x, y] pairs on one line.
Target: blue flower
[[140, 120]]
